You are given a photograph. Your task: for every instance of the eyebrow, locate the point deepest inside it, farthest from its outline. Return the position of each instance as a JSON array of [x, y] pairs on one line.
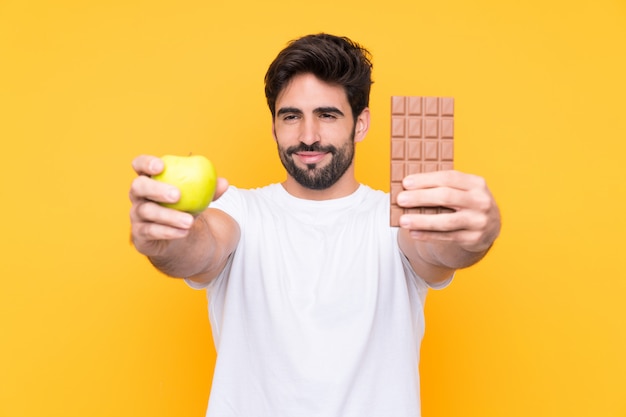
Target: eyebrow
[[329, 109], [319, 110], [285, 110]]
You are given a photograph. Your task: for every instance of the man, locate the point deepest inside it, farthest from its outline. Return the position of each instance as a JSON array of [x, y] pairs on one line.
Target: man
[[316, 304]]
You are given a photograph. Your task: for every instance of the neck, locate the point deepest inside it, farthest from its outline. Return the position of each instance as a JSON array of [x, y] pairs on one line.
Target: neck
[[345, 186]]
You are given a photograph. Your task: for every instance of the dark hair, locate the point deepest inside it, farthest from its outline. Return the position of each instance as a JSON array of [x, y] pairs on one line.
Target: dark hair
[[332, 59]]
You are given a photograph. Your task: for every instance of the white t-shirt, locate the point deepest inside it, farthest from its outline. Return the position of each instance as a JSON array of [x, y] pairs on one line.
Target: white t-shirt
[[317, 312]]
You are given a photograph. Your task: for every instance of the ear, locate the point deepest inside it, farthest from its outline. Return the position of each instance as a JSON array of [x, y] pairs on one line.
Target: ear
[[362, 125], [273, 129]]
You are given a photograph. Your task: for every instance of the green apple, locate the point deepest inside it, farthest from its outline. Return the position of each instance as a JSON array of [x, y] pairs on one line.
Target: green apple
[[194, 176]]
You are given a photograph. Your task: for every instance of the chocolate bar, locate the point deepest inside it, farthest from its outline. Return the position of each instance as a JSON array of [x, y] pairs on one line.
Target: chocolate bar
[[422, 133]]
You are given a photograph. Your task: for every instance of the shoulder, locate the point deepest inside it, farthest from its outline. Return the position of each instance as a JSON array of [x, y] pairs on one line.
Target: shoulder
[[237, 202], [375, 193], [243, 194], [373, 198]]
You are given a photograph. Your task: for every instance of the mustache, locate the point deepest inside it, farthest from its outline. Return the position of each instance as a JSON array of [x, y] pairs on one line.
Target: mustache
[[315, 147]]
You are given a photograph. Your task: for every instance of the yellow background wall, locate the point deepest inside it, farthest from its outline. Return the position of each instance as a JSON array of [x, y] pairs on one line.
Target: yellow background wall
[[88, 328]]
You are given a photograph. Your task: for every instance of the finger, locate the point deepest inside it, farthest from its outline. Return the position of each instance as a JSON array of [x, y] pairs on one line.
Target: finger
[[150, 212], [470, 240], [145, 188], [442, 222], [147, 165], [452, 179], [154, 232], [434, 197], [463, 237], [222, 186], [464, 220]]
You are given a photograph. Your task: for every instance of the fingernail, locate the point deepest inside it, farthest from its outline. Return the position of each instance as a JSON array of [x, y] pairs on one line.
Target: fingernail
[[404, 222], [408, 182], [156, 165], [173, 195], [187, 221]]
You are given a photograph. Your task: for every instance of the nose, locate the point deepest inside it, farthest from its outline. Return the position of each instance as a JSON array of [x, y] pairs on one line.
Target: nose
[[310, 131]]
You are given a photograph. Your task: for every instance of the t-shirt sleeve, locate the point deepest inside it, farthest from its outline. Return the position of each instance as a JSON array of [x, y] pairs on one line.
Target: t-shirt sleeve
[[232, 203]]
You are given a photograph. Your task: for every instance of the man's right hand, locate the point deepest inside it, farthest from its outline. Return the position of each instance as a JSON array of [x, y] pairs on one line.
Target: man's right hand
[[154, 227]]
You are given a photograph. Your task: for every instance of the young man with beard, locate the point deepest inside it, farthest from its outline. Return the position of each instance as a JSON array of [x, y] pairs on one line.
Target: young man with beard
[[315, 302]]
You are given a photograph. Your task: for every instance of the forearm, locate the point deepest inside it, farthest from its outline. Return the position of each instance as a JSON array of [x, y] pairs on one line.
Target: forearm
[[188, 256], [203, 252], [436, 260]]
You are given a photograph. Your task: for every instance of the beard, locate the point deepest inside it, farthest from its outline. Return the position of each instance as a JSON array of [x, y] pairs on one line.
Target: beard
[[314, 177]]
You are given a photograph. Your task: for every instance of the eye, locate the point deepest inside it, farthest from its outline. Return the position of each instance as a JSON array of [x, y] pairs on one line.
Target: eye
[[328, 116]]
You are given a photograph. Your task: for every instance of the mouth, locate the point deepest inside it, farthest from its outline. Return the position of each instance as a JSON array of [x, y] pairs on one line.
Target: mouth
[[310, 157]]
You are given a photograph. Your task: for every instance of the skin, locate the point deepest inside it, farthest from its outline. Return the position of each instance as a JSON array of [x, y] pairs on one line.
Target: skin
[[310, 111]]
